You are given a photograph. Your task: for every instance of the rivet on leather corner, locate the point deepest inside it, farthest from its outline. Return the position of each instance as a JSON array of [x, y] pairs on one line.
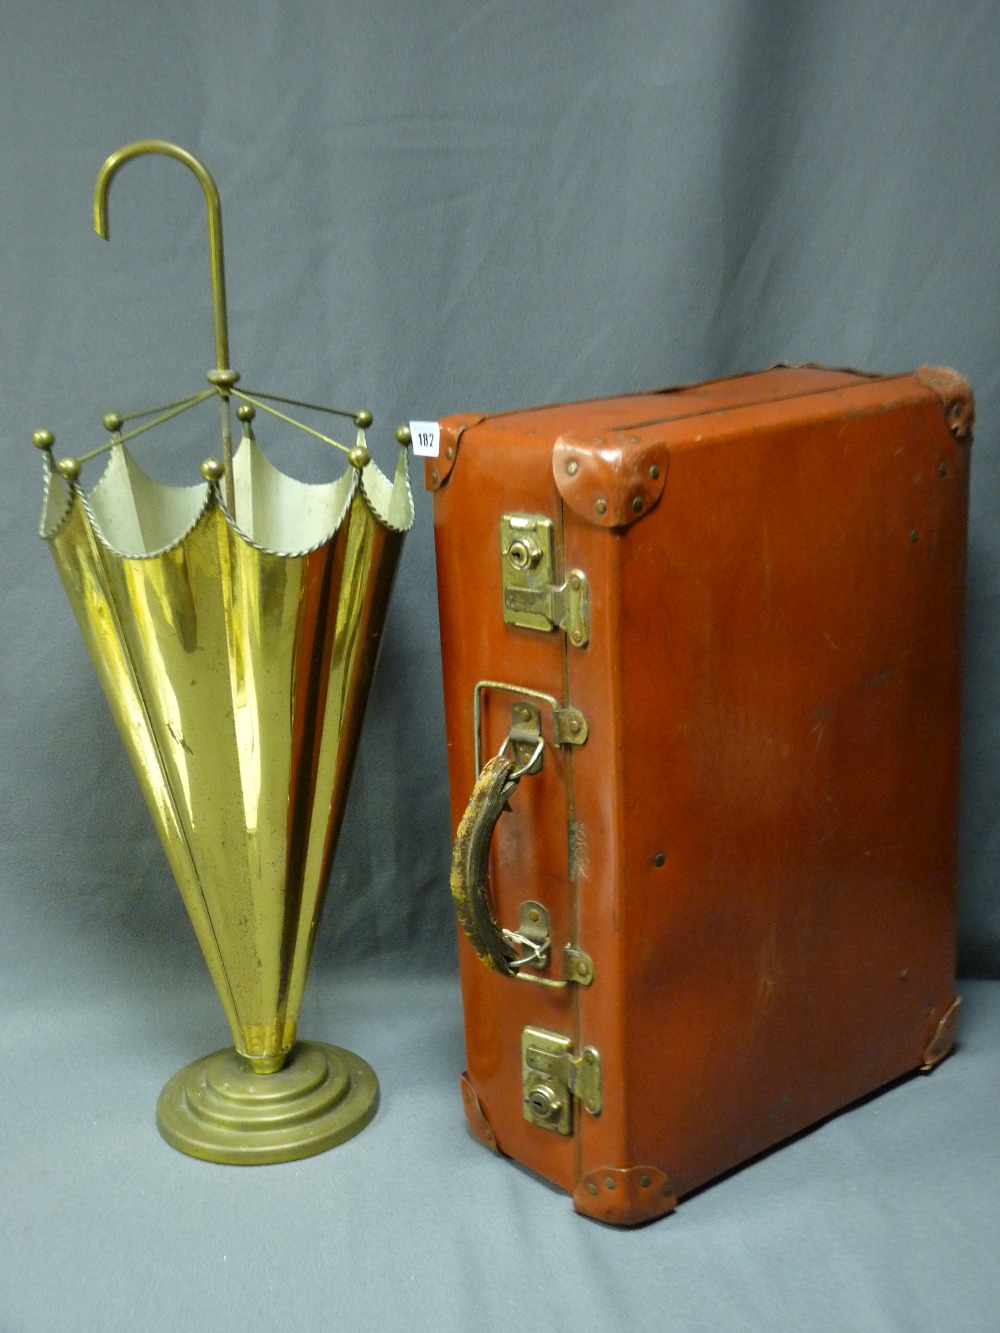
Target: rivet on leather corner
[[637, 504], [601, 506], [645, 1181], [572, 467], [654, 472], [914, 535], [591, 1188], [942, 469], [449, 452], [609, 1182]]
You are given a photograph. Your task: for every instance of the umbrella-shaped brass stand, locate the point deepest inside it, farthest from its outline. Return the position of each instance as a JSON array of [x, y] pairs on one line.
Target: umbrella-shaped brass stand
[[234, 625]]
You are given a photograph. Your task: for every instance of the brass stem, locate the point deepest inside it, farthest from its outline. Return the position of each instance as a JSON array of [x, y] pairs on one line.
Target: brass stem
[[227, 451]]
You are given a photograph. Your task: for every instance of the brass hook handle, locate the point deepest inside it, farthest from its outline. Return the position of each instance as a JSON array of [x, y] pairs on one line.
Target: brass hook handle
[[107, 174]]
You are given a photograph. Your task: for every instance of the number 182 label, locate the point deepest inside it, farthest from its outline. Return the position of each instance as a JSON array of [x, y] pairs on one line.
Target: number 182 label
[[426, 438]]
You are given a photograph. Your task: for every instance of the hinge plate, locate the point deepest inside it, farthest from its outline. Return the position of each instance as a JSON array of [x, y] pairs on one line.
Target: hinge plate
[[531, 597], [578, 966], [552, 1076]]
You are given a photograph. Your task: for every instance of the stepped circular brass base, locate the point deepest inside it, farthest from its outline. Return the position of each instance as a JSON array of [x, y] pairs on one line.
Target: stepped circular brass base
[[219, 1110]]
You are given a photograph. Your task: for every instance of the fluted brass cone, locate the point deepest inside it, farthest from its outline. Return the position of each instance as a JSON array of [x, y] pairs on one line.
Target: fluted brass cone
[[237, 661]]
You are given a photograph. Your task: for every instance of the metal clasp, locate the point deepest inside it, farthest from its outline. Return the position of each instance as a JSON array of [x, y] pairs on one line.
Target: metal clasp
[[569, 726], [532, 937], [552, 1077], [531, 597]]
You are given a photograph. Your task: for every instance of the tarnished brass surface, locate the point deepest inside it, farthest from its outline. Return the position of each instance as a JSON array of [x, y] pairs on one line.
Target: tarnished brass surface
[[551, 1076], [218, 1109], [546, 1092]]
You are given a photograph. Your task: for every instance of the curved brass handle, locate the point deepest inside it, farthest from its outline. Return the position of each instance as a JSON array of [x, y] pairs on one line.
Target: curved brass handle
[[222, 377], [107, 174], [470, 862]]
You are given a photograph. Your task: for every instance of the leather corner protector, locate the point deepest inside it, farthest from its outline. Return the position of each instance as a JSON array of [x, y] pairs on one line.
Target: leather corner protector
[[955, 396], [943, 1037], [474, 1114], [610, 484], [625, 1196], [438, 470]]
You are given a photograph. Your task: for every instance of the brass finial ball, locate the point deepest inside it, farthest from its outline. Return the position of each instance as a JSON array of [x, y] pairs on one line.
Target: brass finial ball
[[211, 470], [403, 435], [69, 468], [246, 412], [112, 421], [363, 419], [359, 456], [43, 439]]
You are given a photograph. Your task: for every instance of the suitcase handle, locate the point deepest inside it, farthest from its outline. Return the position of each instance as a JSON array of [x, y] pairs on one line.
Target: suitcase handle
[[494, 945]]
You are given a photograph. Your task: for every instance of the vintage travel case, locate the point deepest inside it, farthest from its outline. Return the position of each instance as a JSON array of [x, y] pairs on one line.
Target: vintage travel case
[[701, 659]]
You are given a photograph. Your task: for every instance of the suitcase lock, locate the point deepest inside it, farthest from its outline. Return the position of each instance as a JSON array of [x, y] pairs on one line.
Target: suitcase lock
[[552, 1077], [532, 598]]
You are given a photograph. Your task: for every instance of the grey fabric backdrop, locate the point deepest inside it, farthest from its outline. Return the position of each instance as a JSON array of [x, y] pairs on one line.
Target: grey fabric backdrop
[[434, 207]]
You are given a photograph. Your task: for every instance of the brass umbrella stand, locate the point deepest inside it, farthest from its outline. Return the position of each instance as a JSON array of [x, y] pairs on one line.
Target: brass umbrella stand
[[234, 625]]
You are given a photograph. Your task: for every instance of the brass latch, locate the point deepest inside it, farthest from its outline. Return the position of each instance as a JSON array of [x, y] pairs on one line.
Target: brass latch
[[552, 1076], [531, 597]]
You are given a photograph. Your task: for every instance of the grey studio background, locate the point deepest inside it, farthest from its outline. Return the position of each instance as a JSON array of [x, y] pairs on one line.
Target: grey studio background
[[437, 207]]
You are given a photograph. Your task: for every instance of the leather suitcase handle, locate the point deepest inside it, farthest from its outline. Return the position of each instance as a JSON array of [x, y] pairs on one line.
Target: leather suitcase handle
[[470, 866]]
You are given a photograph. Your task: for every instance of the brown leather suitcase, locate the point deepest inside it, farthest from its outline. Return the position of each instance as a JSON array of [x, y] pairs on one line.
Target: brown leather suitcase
[[701, 659]]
